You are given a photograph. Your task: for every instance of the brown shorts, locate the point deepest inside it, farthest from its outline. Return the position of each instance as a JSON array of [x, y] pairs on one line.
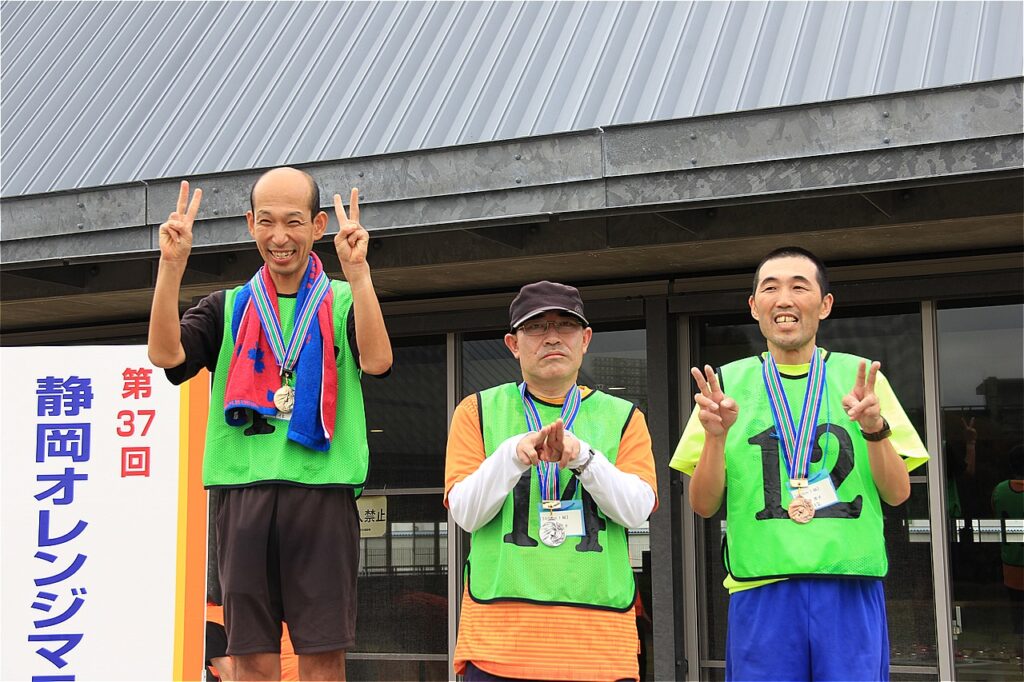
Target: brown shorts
[[288, 553]]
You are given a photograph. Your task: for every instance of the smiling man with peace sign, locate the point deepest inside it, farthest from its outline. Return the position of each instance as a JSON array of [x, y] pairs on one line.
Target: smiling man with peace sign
[[808, 442], [286, 435]]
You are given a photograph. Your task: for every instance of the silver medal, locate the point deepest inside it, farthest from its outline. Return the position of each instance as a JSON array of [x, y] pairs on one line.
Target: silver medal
[[284, 399], [552, 532]]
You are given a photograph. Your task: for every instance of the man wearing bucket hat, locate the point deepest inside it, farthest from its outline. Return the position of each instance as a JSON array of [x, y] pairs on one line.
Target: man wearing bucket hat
[[547, 476]]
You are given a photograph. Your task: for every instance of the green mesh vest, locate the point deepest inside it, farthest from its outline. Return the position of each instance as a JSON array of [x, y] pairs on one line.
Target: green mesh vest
[[1009, 504], [260, 451], [844, 539], [508, 562]]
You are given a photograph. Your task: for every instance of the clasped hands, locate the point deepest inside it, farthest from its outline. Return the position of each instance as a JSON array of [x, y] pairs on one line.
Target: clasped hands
[[551, 444]]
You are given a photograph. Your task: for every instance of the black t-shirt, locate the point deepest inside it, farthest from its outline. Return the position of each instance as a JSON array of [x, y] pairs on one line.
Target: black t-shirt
[[202, 329]]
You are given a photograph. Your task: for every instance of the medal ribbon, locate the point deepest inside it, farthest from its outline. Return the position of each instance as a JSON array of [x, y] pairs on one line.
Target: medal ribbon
[[548, 471], [797, 441], [304, 316]]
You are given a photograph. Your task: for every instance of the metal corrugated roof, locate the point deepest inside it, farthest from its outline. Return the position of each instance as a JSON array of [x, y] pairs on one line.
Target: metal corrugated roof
[[98, 93]]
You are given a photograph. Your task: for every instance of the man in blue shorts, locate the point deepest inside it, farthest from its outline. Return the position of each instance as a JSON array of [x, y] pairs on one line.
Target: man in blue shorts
[[809, 443]]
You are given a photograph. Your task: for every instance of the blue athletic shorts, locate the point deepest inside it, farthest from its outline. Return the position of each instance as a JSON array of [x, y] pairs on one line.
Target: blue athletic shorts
[[808, 629]]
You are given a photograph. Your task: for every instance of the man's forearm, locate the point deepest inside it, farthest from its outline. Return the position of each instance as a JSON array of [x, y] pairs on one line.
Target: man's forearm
[[375, 355], [889, 472], [164, 344], [707, 485], [624, 497], [476, 499]]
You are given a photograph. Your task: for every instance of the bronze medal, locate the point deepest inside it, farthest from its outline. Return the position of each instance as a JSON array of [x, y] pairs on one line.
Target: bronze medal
[[801, 510], [284, 399]]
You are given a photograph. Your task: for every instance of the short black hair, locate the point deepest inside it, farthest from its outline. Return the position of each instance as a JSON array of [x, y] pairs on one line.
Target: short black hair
[[314, 193], [789, 251]]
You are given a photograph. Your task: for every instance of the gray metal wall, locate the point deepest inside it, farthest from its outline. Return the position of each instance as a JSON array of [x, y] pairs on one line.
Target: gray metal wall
[[98, 93]]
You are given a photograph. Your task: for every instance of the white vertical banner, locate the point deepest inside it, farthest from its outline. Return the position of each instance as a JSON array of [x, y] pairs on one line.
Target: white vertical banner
[[89, 483]]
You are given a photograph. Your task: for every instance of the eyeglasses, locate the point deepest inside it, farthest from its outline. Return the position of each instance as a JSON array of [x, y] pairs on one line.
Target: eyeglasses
[[539, 328]]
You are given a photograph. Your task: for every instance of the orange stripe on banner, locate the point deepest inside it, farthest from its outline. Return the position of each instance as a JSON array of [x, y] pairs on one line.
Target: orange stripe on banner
[[179, 570], [195, 574], [192, 521]]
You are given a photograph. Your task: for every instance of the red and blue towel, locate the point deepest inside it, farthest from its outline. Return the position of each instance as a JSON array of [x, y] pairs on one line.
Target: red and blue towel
[[254, 374]]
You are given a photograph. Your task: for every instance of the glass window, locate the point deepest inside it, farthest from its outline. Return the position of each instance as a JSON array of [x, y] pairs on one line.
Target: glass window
[[894, 339], [487, 362], [616, 363], [406, 417], [403, 589], [981, 380], [402, 629]]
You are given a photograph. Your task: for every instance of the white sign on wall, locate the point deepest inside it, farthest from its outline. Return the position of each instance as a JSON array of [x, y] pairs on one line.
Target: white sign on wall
[[89, 476], [373, 516]]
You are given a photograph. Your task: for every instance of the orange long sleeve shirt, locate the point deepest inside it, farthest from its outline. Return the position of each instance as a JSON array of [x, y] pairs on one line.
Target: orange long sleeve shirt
[[531, 641]]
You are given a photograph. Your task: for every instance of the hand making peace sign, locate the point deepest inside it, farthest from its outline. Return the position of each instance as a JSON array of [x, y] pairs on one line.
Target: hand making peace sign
[[717, 411], [176, 232], [352, 238], [970, 433], [861, 403]]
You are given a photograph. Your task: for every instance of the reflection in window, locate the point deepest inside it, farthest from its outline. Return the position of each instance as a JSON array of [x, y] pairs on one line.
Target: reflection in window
[[406, 417], [616, 363], [408, 548], [486, 362], [403, 589], [981, 378]]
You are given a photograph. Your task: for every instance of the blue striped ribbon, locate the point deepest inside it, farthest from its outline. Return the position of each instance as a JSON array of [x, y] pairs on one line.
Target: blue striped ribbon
[[287, 356], [797, 441], [548, 471]]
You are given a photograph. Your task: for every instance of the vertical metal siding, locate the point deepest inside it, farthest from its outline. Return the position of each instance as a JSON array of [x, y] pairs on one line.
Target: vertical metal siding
[[95, 93]]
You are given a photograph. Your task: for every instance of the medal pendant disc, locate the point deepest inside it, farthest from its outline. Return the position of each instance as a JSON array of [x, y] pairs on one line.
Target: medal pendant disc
[[801, 510], [552, 533], [284, 399]]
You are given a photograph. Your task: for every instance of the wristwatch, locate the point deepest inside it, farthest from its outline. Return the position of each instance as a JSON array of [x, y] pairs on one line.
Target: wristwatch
[[578, 471], [878, 435]]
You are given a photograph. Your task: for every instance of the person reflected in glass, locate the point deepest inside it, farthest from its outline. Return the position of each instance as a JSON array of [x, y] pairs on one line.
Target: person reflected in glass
[[808, 442], [958, 468], [1008, 505], [548, 476]]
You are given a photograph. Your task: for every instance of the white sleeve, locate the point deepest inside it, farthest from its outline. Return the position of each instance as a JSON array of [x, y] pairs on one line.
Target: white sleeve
[[624, 498], [475, 500]]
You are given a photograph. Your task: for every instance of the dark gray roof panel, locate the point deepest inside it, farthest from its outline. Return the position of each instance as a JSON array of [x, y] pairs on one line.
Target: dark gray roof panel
[[97, 93]]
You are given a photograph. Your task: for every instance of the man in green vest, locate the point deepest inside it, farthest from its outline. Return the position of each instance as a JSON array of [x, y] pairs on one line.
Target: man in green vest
[[808, 443], [547, 475], [1008, 505], [286, 434]]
